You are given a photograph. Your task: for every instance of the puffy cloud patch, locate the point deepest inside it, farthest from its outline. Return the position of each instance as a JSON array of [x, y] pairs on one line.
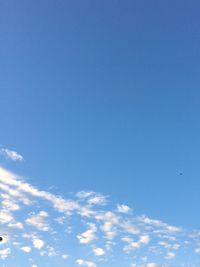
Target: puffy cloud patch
[[38, 221], [85, 263], [88, 236], [26, 249], [99, 251], [123, 208], [38, 243]]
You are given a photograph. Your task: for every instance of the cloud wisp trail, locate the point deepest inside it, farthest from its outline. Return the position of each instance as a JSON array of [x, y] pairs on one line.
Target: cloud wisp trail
[[11, 154]]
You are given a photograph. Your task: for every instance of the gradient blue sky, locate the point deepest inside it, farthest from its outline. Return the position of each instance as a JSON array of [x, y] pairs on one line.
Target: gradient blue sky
[[104, 96]]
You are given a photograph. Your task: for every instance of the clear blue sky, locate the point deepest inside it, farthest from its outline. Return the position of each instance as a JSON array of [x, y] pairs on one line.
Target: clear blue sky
[[104, 96]]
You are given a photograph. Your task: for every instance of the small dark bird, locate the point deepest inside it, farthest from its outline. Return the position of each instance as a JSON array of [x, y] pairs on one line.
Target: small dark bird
[[180, 173], [1, 238]]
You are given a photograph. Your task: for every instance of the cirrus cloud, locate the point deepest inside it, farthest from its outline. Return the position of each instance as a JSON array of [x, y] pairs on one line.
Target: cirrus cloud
[[11, 154]]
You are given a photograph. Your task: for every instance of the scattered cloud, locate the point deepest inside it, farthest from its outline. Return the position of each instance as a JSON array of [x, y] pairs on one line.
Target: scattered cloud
[[153, 264], [11, 154], [26, 249], [38, 221], [84, 229], [123, 208], [4, 253], [38, 243], [99, 251], [88, 236], [65, 256], [85, 263]]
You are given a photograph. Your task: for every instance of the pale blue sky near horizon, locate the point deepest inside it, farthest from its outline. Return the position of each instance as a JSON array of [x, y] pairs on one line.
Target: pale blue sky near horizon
[[104, 96]]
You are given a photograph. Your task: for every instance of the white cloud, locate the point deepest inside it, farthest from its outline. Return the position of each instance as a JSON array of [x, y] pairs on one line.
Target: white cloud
[[8, 204], [132, 244], [51, 251], [65, 256], [5, 217], [130, 228], [110, 221], [197, 250], [28, 215], [9, 180], [38, 221], [162, 227], [85, 263], [11, 154], [26, 249], [38, 243], [99, 251], [123, 208], [170, 255], [16, 225], [153, 264], [84, 194], [97, 200], [89, 235], [4, 253], [144, 239], [92, 198]]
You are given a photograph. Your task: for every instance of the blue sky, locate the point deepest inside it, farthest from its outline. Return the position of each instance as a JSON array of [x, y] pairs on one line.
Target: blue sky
[[104, 96]]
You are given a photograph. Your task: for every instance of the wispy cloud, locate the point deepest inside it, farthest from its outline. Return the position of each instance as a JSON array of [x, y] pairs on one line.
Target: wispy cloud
[[11, 154], [37, 222]]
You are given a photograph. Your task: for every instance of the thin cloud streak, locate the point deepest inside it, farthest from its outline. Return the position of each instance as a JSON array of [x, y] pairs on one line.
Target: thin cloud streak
[[11, 154]]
